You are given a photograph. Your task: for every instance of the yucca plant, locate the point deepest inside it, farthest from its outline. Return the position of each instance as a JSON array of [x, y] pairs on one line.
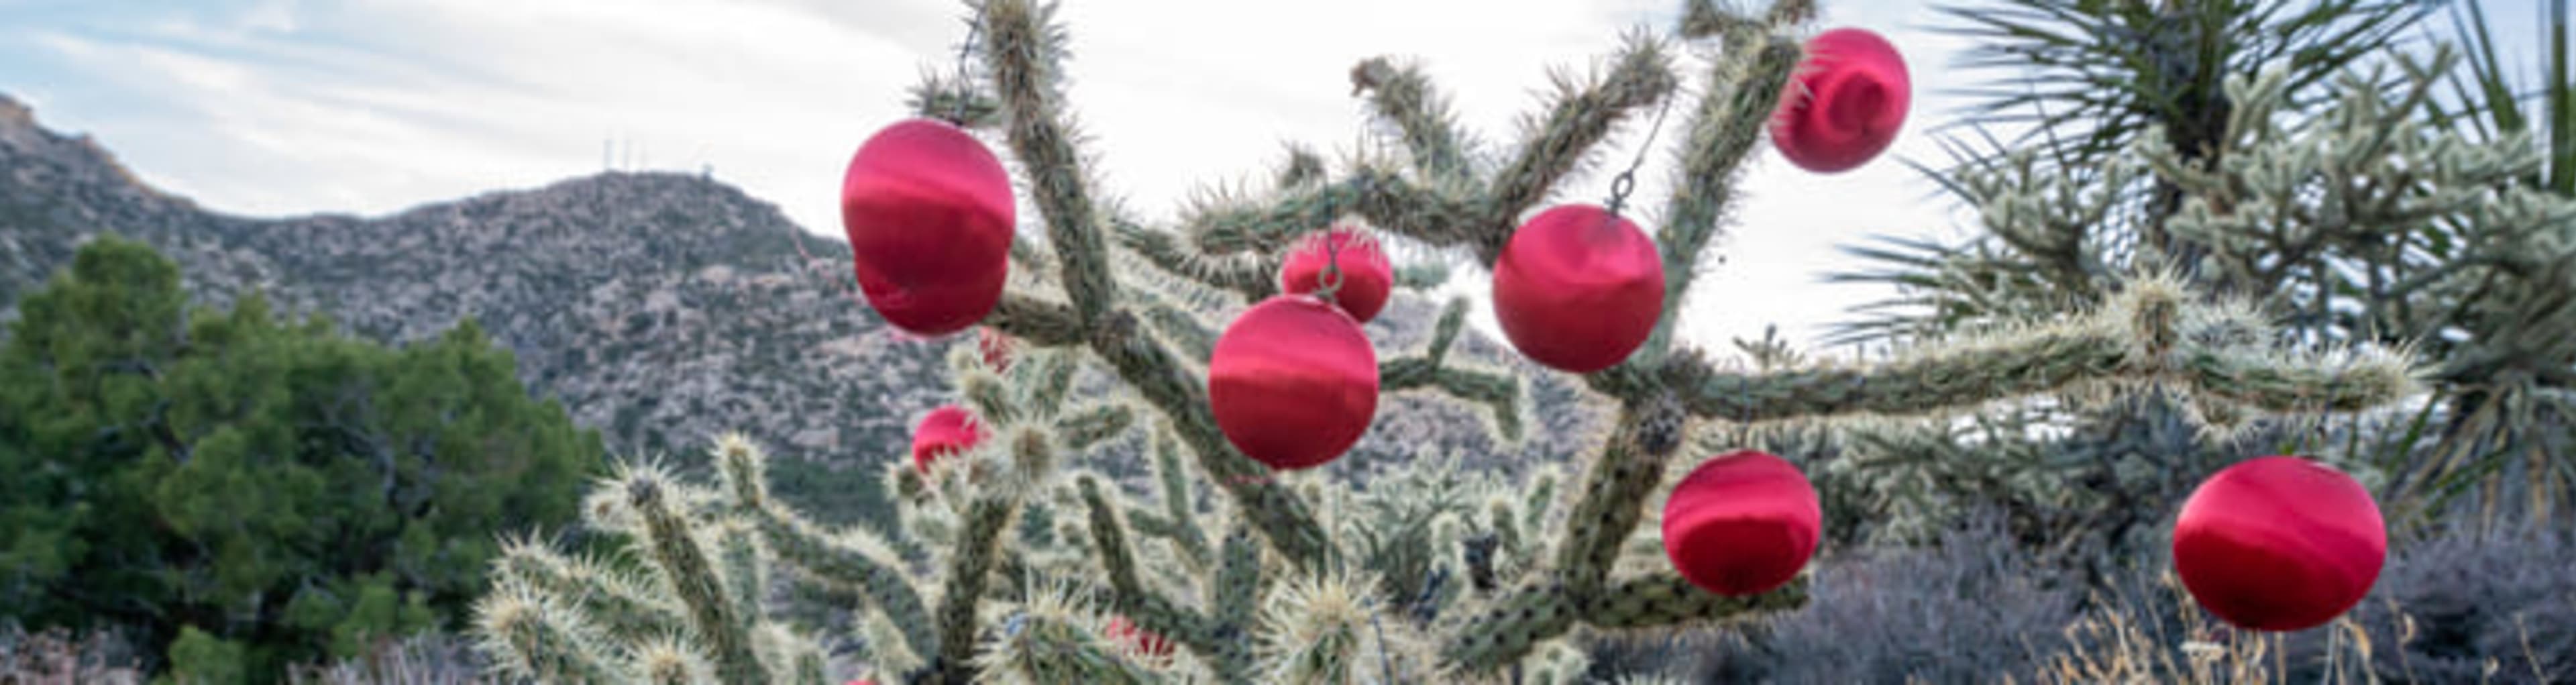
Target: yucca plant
[[2323, 172], [2493, 100]]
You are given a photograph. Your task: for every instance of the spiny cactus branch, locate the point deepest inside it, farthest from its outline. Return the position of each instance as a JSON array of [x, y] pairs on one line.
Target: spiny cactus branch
[[1404, 96], [970, 567], [1622, 477], [1438, 214], [1253, 276], [1181, 329], [615, 603], [1280, 515], [535, 638], [1665, 599], [1143, 605], [827, 560], [1173, 490], [712, 617], [2280, 383], [1499, 392], [1045, 648], [1580, 117], [1723, 131], [1040, 322], [1022, 56], [1237, 590], [1084, 427], [2042, 361], [1704, 19], [2138, 338], [1496, 638]]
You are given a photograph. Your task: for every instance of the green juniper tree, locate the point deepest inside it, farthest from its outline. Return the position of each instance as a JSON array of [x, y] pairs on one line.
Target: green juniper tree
[[272, 491], [1039, 568]]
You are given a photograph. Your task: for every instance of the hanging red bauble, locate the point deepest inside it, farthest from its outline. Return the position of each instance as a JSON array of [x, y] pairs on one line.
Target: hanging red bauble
[[1845, 104], [1742, 524], [1578, 289], [2279, 543], [1367, 277], [929, 214], [995, 346], [1138, 639], [947, 430], [1293, 382]]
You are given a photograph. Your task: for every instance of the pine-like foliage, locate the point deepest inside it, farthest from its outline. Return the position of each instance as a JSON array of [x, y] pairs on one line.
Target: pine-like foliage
[[246, 492], [1040, 568]]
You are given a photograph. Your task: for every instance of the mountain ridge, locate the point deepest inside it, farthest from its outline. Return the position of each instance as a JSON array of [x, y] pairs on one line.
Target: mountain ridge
[[662, 309]]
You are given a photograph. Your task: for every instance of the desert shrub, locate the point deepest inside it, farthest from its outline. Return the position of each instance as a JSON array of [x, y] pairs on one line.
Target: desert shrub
[[1968, 608], [247, 492]]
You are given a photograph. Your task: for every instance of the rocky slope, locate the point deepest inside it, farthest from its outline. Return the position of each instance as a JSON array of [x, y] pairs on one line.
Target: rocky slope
[[660, 309]]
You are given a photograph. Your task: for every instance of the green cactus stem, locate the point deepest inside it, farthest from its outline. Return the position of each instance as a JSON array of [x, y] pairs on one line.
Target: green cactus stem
[[715, 619]]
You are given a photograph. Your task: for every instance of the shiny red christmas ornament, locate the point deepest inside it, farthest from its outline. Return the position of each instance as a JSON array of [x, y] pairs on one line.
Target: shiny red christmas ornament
[[1293, 382], [1367, 277], [996, 348], [1578, 289], [929, 214], [1140, 640], [2279, 543], [1742, 524], [1845, 104], [947, 430]]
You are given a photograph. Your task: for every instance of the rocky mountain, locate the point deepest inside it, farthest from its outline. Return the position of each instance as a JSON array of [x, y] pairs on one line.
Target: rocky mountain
[[661, 309]]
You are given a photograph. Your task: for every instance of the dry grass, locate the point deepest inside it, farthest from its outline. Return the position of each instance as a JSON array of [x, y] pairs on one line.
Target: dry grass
[[54, 657], [2127, 642], [425, 659]]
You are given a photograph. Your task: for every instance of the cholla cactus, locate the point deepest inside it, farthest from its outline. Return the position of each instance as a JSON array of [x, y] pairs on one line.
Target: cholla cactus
[[1034, 561]]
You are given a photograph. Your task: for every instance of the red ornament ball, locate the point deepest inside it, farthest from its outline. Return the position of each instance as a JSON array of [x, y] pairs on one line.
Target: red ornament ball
[[929, 214], [947, 430], [1742, 524], [1293, 382], [1367, 277], [1578, 289], [2279, 543], [1136, 638], [1845, 104]]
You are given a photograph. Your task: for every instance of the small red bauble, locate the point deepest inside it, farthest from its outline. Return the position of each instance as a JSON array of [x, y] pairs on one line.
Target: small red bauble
[[947, 430], [1293, 382], [1845, 104], [1140, 640], [995, 347], [1578, 289], [1366, 275], [1742, 524], [929, 214], [2279, 543]]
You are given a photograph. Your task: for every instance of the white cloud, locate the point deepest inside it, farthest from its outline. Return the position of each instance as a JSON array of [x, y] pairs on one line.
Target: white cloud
[[375, 105]]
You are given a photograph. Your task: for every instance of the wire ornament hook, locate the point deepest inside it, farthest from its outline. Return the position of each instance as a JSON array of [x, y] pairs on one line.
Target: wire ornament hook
[[965, 73], [1328, 283], [1626, 181]]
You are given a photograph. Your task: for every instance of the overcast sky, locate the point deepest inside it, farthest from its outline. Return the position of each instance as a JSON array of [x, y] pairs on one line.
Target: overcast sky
[[277, 107]]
